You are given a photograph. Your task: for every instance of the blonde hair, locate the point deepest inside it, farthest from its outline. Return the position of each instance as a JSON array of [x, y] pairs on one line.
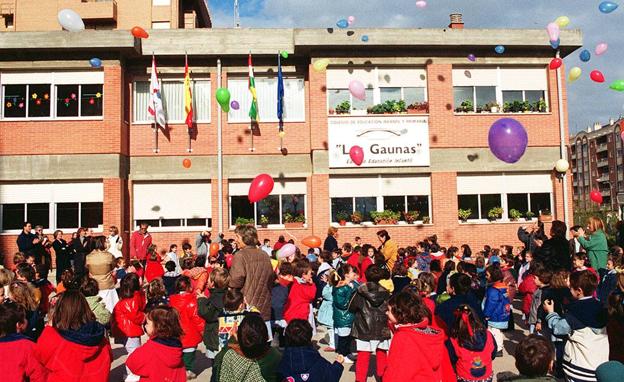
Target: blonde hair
[[114, 229], [560, 279], [594, 224], [6, 277], [23, 294], [331, 231], [220, 277]]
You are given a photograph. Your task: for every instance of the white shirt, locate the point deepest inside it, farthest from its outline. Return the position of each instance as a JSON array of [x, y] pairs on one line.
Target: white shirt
[[115, 243]]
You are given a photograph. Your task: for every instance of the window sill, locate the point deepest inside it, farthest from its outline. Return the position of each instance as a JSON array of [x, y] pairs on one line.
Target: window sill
[[271, 227], [487, 222], [178, 229], [98, 231], [499, 113], [170, 122], [263, 121], [371, 224], [375, 115], [52, 119]]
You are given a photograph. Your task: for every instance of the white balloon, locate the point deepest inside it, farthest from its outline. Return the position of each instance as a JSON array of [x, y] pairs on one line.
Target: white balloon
[[70, 20], [562, 165]]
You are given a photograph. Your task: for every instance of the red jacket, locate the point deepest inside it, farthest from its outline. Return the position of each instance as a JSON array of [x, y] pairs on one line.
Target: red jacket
[[353, 260], [421, 343], [16, 353], [192, 324], [128, 317], [159, 360], [76, 356], [139, 244], [153, 269], [298, 301], [527, 287]]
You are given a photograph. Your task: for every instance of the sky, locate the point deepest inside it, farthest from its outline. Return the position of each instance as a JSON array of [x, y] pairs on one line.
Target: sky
[[588, 102]]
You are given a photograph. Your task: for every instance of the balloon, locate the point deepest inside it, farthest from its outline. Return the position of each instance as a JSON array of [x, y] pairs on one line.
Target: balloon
[[499, 49], [139, 32], [508, 140], [553, 31], [342, 23], [596, 76], [284, 54], [260, 188], [95, 62], [320, 65], [223, 98], [471, 57], [281, 134], [357, 155], [186, 163], [421, 4], [286, 251], [312, 241], [574, 74], [617, 85], [585, 55], [607, 6], [214, 249], [562, 21], [622, 136], [555, 63], [365, 38], [357, 90], [70, 20], [595, 196], [562, 165], [235, 105], [555, 44], [351, 20], [601, 48]]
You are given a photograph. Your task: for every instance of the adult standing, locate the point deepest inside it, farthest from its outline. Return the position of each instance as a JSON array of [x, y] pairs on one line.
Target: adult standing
[[81, 247], [115, 242], [388, 248], [41, 250], [596, 245], [202, 244], [100, 264], [532, 237], [26, 239], [63, 254], [252, 272], [555, 252], [331, 244], [139, 242]]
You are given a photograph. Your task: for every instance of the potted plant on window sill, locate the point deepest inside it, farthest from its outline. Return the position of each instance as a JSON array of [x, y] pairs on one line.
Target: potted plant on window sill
[[492, 107], [465, 107], [418, 108], [293, 221], [264, 221], [243, 221], [342, 218], [385, 217], [410, 216], [356, 217], [464, 214], [529, 215], [343, 108], [514, 215], [495, 213], [426, 219], [545, 215]]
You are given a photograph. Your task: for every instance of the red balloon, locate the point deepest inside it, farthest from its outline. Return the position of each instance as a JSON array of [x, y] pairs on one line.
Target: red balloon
[[139, 32], [186, 163], [596, 76], [555, 63], [312, 241], [595, 196], [260, 188], [622, 136], [214, 249], [357, 155]]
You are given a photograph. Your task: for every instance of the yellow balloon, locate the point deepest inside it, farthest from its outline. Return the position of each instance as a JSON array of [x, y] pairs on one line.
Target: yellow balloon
[[321, 65], [562, 21], [574, 74]]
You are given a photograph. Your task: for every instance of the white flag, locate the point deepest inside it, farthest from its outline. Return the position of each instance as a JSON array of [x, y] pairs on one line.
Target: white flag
[[155, 107]]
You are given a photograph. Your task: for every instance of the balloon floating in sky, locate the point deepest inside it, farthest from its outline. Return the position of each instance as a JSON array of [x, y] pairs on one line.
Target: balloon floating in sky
[[555, 63], [596, 76], [357, 89], [555, 44], [70, 20], [235, 105], [562, 21], [139, 32], [421, 4], [320, 65], [351, 20], [601, 48], [508, 140], [472, 57], [574, 74], [500, 49], [357, 155], [284, 54], [260, 188], [365, 38], [585, 55], [223, 98], [342, 23], [186, 163], [617, 85], [607, 6], [95, 62], [553, 31], [595, 196]]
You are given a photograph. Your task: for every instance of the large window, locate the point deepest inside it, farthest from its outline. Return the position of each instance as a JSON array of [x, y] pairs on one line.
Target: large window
[[266, 90], [79, 100], [473, 98], [172, 93], [287, 199]]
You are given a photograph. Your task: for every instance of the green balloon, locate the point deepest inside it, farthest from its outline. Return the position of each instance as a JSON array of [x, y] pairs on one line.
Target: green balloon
[[284, 54], [223, 98], [617, 85]]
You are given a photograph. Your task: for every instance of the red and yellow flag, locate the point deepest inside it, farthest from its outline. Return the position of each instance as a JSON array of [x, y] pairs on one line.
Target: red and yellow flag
[[188, 95]]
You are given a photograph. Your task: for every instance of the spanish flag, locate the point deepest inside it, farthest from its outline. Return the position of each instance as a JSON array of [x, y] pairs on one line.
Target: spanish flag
[[253, 110], [188, 95]]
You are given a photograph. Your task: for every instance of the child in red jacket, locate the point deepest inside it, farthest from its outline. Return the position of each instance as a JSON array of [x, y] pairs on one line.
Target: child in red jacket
[[160, 359], [185, 302], [302, 293], [128, 317], [527, 287], [16, 350], [153, 266]]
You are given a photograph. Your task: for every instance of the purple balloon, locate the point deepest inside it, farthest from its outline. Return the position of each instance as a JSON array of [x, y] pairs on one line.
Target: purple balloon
[[508, 140], [472, 57], [234, 105]]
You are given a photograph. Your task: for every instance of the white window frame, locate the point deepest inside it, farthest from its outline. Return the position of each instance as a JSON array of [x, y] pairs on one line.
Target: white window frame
[[503, 199], [379, 207], [52, 215], [181, 228]]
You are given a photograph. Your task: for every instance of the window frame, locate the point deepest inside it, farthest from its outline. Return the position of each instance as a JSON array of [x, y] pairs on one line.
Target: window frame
[[380, 207], [176, 228], [376, 97], [281, 211], [504, 205], [52, 218]]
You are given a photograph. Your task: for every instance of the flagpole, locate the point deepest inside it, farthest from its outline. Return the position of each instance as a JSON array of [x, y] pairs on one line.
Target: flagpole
[[156, 150]]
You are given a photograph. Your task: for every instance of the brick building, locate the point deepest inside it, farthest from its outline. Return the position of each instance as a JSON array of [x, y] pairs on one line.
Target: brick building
[[79, 147]]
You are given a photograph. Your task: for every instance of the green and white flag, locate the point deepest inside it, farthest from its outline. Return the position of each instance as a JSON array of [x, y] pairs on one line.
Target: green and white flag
[[253, 110]]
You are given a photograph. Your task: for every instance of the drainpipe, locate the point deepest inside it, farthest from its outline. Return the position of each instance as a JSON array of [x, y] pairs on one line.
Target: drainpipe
[[563, 147], [219, 154]]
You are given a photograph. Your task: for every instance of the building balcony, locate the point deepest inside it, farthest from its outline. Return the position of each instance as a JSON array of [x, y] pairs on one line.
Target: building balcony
[[7, 7], [573, 155], [606, 192], [603, 178], [602, 162], [601, 147], [92, 9]]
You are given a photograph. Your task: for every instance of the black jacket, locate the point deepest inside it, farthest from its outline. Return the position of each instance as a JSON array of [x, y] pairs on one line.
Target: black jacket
[[209, 309], [370, 303], [81, 250], [63, 257], [25, 242], [330, 244], [555, 254]]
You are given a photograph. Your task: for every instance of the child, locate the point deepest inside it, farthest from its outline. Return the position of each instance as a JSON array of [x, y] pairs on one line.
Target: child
[[585, 326], [45, 287], [527, 287], [400, 279], [542, 280], [344, 282], [128, 317], [198, 274], [412, 268], [534, 359], [172, 255], [615, 325], [233, 313], [90, 290], [449, 269], [325, 315], [185, 302], [460, 292], [120, 270], [136, 267], [170, 277], [156, 295], [209, 308], [524, 268], [496, 306], [160, 359], [302, 293], [301, 362], [23, 294], [16, 350], [6, 278], [579, 263], [153, 268], [609, 281], [279, 295], [422, 287], [370, 326], [471, 347], [186, 251]]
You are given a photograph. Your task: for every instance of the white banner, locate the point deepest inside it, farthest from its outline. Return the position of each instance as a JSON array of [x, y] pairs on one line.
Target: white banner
[[387, 141]]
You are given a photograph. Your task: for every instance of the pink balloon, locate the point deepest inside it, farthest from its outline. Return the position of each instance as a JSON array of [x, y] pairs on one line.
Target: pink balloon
[[421, 4], [357, 155], [357, 90], [351, 19], [260, 188], [286, 251], [601, 48], [553, 31]]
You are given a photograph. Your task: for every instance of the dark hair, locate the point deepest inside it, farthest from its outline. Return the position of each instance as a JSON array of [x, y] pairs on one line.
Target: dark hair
[[183, 284], [286, 269], [449, 266], [469, 268], [43, 270], [186, 246], [301, 268], [151, 251], [408, 308], [534, 355], [71, 311], [129, 285], [496, 273], [347, 247], [26, 271], [399, 269], [374, 273], [253, 336], [428, 279], [187, 263], [466, 322], [450, 252], [575, 228], [10, 316], [467, 250], [585, 281], [558, 228], [166, 322], [327, 256], [99, 243], [616, 300], [232, 300], [383, 233], [200, 261], [170, 266], [543, 274], [298, 333], [435, 266], [89, 287], [461, 283], [341, 272], [25, 224], [248, 234], [172, 246], [155, 290]]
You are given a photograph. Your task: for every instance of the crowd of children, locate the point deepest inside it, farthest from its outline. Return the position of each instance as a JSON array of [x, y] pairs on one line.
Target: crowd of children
[[425, 312]]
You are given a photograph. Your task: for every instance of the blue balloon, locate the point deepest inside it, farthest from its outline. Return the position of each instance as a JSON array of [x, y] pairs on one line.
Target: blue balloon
[[342, 23], [499, 49], [508, 140], [95, 62], [607, 6], [585, 55], [555, 44], [365, 38]]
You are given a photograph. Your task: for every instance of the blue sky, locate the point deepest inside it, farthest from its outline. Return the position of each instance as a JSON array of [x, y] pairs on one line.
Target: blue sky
[[588, 102]]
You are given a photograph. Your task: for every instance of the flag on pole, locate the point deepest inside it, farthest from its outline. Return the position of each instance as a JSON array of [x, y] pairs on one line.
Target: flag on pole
[[280, 92], [253, 110], [155, 108], [188, 95]]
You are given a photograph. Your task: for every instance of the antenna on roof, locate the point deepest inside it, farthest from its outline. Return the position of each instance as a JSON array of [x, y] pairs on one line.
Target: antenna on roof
[[236, 15]]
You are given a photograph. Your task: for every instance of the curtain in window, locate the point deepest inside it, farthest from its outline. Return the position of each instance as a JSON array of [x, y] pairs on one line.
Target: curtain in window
[[141, 101], [173, 101], [266, 88], [201, 100]]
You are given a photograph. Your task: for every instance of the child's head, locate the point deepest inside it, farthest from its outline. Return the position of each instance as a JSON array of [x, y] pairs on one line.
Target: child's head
[[120, 262], [129, 285], [453, 252], [25, 272], [493, 273], [400, 269], [347, 248], [374, 274], [19, 258], [89, 287], [151, 250], [136, 264], [407, 308], [543, 275], [183, 284], [427, 282], [528, 256], [219, 278], [170, 266], [616, 300], [534, 356], [285, 269], [467, 324], [583, 284], [186, 247], [435, 266], [614, 260], [6, 277], [163, 322], [579, 260], [173, 248], [303, 270], [67, 277], [560, 279], [23, 294], [253, 336], [200, 261], [460, 284], [155, 290], [12, 319], [480, 262], [449, 267], [233, 300], [71, 311], [298, 333], [344, 273]]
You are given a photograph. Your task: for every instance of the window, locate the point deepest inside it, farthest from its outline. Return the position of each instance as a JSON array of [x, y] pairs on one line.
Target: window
[[407, 203], [409, 95], [79, 100], [531, 96], [266, 90], [172, 93], [13, 216], [469, 202], [27, 100], [15, 101], [478, 96], [161, 25], [286, 198], [161, 2]]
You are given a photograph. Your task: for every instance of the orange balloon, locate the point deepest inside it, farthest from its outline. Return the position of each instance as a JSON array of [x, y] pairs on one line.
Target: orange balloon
[[312, 241], [214, 249], [139, 32], [186, 163]]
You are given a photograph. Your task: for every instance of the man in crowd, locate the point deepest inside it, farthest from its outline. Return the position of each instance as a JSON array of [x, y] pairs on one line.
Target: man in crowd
[[139, 242], [27, 239]]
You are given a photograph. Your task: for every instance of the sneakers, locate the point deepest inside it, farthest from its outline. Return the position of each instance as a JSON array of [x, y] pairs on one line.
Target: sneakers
[[190, 375]]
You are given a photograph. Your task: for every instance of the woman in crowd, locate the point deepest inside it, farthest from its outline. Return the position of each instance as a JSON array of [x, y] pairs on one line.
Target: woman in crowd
[[63, 254], [115, 242], [388, 248], [100, 264], [596, 244], [331, 244]]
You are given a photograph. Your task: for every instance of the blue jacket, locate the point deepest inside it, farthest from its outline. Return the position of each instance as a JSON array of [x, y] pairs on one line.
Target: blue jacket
[[342, 296], [607, 285], [326, 311], [279, 294], [445, 311], [305, 364], [496, 306]]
